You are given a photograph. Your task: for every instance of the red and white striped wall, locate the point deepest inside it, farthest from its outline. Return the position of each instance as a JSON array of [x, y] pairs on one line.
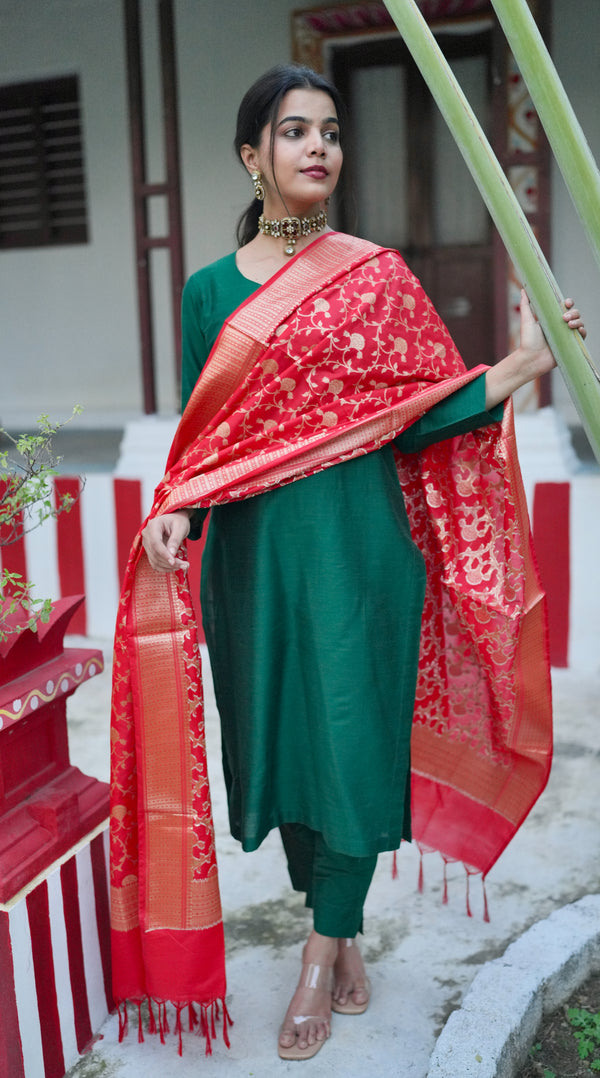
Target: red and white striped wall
[[55, 980], [86, 551]]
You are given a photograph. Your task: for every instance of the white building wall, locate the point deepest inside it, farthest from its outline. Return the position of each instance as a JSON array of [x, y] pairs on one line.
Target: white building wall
[[68, 314]]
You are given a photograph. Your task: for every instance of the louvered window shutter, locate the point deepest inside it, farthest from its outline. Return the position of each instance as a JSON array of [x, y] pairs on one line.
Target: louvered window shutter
[[42, 180]]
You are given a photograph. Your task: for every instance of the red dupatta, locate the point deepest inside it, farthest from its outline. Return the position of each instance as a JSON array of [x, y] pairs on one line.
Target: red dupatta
[[333, 357]]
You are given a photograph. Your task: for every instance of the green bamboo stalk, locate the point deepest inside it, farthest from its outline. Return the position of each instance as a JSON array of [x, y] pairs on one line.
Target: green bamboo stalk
[[581, 377], [568, 142]]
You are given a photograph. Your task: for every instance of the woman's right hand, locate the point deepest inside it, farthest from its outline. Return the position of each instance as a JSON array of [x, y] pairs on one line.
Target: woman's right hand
[[162, 537]]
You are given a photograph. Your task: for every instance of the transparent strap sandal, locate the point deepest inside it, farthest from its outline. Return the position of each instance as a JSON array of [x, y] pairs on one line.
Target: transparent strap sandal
[[312, 977], [351, 1006]]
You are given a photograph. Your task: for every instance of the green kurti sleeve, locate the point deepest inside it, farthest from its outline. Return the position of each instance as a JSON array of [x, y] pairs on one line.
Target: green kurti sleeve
[[194, 355], [459, 413], [194, 349]]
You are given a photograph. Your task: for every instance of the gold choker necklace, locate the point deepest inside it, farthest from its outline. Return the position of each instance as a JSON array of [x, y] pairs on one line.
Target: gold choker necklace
[[289, 228]]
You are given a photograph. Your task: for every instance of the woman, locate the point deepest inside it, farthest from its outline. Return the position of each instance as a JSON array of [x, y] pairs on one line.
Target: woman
[[313, 591]]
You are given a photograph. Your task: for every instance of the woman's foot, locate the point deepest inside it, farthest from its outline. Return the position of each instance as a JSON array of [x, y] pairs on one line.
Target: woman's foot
[[352, 988], [306, 1025]]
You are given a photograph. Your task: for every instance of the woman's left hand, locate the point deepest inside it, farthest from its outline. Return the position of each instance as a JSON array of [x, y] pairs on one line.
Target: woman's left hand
[[532, 358], [533, 344], [573, 318]]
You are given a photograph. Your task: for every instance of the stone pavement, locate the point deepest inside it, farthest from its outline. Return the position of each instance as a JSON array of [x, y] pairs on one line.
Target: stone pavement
[[422, 955]]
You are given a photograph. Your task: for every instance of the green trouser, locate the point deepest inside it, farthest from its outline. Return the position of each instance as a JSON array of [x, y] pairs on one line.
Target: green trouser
[[336, 885]]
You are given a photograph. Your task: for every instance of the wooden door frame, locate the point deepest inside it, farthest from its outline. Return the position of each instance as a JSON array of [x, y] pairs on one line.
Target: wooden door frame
[[419, 148], [143, 191]]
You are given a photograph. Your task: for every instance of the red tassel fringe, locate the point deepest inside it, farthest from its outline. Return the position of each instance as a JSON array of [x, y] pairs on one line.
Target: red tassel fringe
[[446, 861], [227, 1021], [202, 1020], [151, 1019], [140, 1027], [178, 1007], [123, 1021], [486, 912]]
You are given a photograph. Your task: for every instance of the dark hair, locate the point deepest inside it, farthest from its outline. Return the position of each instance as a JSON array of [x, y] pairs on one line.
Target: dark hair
[[259, 108]]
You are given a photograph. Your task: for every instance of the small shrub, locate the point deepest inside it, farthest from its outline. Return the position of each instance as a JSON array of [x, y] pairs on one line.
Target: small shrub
[[586, 1031], [27, 468]]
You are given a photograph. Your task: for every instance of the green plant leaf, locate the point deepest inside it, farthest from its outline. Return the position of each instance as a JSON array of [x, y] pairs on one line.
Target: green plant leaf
[[26, 472]]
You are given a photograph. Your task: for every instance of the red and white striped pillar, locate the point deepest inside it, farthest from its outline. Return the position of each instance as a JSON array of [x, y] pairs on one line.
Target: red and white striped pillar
[[55, 980]]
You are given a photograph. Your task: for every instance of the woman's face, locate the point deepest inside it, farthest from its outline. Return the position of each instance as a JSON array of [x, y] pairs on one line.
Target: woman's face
[[307, 155]]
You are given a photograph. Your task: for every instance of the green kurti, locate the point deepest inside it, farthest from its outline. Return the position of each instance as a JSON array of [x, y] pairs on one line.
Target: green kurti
[[311, 603]]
